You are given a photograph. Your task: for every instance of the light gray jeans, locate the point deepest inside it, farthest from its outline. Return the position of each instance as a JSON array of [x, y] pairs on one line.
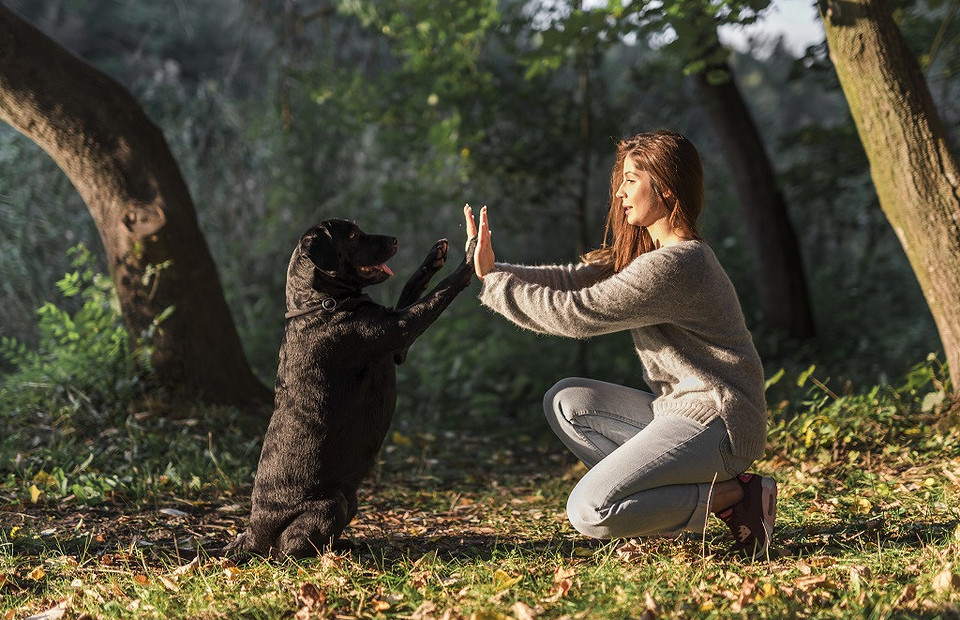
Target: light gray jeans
[[647, 476]]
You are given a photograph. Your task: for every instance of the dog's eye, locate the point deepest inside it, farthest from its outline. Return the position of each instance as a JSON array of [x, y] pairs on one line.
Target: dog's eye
[[353, 235]]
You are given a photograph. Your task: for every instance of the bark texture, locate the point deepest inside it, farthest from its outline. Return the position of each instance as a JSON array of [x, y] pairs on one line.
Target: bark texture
[[120, 163], [915, 173], [781, 283]]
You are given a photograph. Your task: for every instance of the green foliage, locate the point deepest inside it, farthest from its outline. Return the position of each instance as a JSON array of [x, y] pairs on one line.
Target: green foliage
[[83, 354], [828, 427], [396, 113]]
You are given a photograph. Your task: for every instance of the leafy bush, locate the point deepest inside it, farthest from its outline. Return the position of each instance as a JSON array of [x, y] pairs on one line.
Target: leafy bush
[[85, 422], [833, 428], [83, 366], [82, 355]]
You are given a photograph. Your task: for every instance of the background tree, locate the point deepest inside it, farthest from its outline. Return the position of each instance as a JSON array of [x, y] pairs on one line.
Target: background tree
[[779, 271], [395, 112], [914, 171], [119, 162]]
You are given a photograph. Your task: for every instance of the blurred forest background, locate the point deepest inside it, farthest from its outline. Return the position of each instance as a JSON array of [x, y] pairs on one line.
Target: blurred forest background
[[395, 113]]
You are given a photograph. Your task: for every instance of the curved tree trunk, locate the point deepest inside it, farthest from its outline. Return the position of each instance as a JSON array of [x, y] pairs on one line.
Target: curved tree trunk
[[781, 284], [120, 164], [916, 175]]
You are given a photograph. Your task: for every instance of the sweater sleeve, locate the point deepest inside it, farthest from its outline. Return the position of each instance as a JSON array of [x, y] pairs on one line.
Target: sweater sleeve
[[653, 289], [561, 277]]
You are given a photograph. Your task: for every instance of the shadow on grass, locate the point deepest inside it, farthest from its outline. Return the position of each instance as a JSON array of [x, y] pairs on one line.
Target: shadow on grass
[[861, 535], [165, 537], [475, 547]]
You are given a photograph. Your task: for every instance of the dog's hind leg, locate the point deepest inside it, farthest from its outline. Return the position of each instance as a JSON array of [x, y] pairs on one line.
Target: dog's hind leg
[[316, 529]]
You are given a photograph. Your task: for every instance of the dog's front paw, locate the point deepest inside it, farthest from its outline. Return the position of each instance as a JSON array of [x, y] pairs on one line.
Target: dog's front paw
[[436, 257]]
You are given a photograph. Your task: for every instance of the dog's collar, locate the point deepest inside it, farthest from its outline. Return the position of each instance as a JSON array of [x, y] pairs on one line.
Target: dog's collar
[[328, 304]]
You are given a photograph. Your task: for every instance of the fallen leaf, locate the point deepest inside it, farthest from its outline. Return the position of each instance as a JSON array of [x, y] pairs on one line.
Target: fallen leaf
[[37, 574], [173, 512], [630, 551], [746, 595], [558, 591], [141, 580], [44, 478], [945, 581], [502, 579], [54, 612], [303, 613], [232, 572], [313, 597], [34, 494], [522, 611], [187, 568], [424, 611], [418, 579], [811, 582], [169, 584], [908, 595]]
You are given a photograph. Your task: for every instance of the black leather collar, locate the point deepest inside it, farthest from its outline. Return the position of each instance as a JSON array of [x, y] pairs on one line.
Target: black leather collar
[[329, 304]]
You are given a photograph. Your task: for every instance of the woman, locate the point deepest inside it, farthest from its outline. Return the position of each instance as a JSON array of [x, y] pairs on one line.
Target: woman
[[658, 463]]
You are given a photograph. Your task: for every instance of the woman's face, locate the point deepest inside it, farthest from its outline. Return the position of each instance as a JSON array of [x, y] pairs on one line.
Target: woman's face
[[641, 203]]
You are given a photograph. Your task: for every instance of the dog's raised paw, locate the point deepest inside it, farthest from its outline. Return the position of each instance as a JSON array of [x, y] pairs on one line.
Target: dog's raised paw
[[438, 254]]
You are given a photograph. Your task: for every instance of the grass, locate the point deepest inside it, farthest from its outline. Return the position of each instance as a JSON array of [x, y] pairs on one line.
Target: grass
[[116, 521]]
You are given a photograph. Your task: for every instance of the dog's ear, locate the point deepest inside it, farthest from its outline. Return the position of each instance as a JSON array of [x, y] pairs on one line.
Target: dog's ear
[[322, 251]]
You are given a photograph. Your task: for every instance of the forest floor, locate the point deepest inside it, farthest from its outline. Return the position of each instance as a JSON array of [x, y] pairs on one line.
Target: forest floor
[[454, 524]]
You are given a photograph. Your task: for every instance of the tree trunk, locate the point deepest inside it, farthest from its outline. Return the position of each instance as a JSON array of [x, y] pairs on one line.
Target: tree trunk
[[916, 176], [122, 167], [780, 279]]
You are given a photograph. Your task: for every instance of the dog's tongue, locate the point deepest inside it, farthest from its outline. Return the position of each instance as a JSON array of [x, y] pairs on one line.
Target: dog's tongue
[[386, 269]]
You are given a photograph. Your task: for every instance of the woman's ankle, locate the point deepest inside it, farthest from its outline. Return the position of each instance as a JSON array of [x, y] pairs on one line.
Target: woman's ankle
[[725, 495]]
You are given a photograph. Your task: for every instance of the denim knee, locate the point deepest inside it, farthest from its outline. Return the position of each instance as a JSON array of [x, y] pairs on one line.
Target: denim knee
[[553, 398], [585, 516]]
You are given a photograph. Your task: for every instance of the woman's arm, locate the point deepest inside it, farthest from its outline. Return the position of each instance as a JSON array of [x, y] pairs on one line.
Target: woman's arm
[[655, 288], [560, 277]]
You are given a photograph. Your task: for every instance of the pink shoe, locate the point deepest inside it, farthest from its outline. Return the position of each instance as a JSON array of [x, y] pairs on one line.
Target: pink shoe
[[751, 520]]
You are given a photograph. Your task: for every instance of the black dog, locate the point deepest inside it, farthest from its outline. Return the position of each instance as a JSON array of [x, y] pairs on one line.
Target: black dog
[[336, 384]]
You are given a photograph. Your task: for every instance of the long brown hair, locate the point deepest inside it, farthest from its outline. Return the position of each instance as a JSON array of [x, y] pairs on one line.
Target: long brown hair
[[673, 163]]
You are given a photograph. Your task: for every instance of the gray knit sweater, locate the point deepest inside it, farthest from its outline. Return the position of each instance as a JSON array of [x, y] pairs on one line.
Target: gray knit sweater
[[683, 313]]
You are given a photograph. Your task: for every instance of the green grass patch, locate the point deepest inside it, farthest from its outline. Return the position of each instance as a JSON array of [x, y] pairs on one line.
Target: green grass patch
[[465, 524], [113, 502]]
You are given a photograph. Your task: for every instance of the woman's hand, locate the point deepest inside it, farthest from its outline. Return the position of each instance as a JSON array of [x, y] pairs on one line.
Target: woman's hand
[[483, 257]]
